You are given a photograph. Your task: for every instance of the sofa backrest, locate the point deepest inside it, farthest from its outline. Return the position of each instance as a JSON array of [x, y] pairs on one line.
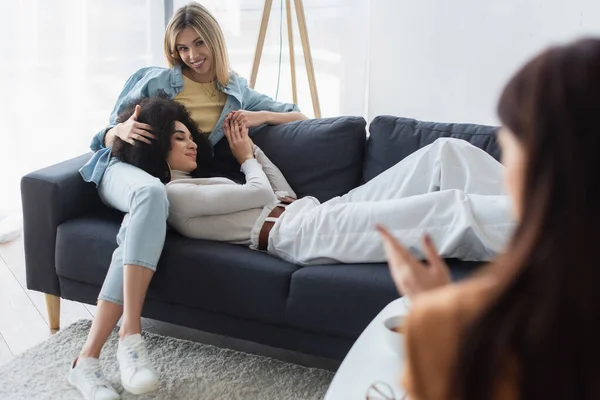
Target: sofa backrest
[[319, 157], [393, 138]]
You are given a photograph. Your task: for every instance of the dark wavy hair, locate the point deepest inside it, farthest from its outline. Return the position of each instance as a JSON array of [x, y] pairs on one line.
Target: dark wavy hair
[[547, 318], [161, 113]]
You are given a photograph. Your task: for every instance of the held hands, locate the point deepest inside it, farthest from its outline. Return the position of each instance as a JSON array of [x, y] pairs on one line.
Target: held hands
[[409, 274], [131, 130], [248, 118], [240, 143]]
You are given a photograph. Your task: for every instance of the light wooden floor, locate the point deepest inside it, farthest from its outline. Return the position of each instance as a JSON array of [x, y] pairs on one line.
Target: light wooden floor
[[24, 322]]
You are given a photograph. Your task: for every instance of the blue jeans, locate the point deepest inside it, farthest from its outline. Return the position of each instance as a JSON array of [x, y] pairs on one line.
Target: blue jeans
[[142, 234]]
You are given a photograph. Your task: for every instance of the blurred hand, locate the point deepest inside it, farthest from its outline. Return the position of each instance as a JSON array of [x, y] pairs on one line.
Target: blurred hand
[[131, 130], [410, 275], [248, 118], [240, 143]]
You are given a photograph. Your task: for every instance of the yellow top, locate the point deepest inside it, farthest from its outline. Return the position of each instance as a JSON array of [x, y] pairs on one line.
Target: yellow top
[[203, 101]]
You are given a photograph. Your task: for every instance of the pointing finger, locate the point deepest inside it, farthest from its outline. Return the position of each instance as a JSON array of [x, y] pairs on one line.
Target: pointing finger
[[431, 253], [393, 243]]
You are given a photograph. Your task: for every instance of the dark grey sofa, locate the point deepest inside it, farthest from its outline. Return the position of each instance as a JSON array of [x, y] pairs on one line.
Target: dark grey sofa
[[229, 289]]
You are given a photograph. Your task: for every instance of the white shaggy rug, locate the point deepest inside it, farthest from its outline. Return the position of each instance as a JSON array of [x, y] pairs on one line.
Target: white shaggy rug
[[187, 370]]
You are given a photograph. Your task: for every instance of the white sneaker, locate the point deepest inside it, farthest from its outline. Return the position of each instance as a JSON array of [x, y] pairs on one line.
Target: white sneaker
[[137, 374], [87, 377]]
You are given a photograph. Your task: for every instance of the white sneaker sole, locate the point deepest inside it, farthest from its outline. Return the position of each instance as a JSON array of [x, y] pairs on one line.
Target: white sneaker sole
[[83, 395], [137, 390]]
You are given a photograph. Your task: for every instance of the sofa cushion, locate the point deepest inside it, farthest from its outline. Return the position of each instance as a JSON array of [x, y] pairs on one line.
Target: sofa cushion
[[319, 157], [339, 299], [342, 299], [392, 138], [211, 276]]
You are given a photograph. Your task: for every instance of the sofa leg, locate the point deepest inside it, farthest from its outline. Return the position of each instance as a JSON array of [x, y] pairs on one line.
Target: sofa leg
[[53, 308]]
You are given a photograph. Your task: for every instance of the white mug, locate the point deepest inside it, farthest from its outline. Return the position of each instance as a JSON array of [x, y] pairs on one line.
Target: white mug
[[394, 338]]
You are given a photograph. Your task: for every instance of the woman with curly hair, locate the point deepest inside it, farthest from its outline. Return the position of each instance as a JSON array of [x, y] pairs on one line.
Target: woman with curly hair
[[465, 210]]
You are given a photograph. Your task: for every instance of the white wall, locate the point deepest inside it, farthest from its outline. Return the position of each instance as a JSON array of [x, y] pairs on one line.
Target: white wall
[[447, 60]]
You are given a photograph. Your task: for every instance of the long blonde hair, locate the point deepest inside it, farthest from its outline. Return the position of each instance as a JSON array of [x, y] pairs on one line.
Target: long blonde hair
[[196, 16]]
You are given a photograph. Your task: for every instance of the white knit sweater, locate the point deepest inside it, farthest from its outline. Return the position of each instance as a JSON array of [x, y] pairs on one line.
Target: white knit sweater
[[220, 209]]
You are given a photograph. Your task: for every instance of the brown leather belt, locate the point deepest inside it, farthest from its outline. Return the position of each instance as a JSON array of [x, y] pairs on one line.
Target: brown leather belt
[[263, 236]]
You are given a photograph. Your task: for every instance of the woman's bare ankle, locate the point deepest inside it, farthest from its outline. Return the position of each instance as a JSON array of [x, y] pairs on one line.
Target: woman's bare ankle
[[86, 353], [126, 331]]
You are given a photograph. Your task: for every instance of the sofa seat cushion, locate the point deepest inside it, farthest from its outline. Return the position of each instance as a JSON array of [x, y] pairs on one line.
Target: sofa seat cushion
[[339, 299], [208, 275], [391, 139], [343, 299]]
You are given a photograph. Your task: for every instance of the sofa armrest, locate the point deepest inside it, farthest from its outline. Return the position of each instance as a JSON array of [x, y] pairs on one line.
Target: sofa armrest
[[50, 197]]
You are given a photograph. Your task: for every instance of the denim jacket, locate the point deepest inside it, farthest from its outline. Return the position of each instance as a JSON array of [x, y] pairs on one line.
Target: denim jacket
[[148, 82]]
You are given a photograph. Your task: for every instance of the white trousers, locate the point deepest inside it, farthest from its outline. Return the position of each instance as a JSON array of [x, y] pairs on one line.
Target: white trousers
[[450, 189]]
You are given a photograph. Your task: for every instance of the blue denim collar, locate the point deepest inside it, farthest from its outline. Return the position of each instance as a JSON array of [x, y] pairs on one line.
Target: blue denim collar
[[176, 76], [234, 87]]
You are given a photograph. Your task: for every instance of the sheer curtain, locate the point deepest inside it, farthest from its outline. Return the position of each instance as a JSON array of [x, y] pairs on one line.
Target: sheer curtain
[[63, 65]]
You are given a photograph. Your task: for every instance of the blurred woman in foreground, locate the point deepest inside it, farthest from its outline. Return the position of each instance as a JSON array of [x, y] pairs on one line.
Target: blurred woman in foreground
[[527, 326]]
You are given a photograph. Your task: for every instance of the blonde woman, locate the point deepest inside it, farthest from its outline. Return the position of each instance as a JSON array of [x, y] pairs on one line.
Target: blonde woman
[[200, 78]]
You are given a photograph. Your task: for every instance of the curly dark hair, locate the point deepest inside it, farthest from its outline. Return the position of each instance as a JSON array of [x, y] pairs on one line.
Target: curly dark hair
[[161, 113]]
